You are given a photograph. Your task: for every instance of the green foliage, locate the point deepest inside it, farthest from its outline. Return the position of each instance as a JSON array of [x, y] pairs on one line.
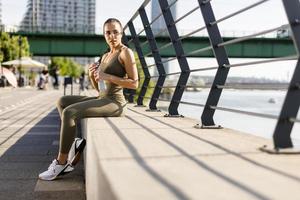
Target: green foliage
[[10, 48], [141, 76], [66, 67]]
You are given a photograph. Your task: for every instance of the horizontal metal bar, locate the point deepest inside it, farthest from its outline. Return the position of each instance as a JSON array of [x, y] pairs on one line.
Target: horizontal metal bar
[[168, 60], [171, 4], [250, 86], [238, 12], [191, 33], [174, 86], [194, 70], [252, 35], [160, 99], [175, 73], [156, 18], [294, 120], [203, 69], [151, 65], [192, 104], [160, 32], [145, 3], [245, 112], [165, 46], [147, 54], [294, 57], [129, 41], [187, 14], [198, 51], [140, 32], [144, 43], [161, 13]]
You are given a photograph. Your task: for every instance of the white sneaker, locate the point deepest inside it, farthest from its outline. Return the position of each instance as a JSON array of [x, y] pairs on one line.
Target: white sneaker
[[55, 170], [76, 150]]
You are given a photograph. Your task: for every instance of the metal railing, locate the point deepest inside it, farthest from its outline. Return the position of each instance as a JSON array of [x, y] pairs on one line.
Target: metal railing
[[288, 114]]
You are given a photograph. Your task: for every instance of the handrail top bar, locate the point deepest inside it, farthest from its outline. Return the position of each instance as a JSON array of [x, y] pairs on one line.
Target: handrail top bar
[[238, 12], [144, 4], [240, 39]]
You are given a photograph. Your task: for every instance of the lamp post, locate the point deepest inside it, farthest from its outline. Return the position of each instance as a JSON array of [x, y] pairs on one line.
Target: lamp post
[[20, 81]]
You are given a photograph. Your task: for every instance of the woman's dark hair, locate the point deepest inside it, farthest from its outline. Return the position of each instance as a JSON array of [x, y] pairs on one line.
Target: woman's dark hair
[[110, 20]]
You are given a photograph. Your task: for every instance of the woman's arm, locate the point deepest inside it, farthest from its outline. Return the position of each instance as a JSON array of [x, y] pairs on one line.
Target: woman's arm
[[131, 82], [92, 70]]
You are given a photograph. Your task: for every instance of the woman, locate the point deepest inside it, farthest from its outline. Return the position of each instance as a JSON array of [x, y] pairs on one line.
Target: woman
[[118, 71]]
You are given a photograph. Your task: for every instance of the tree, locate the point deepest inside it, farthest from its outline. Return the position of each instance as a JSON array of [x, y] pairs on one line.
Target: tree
[[151, 85], [66, 66], [10, 48]]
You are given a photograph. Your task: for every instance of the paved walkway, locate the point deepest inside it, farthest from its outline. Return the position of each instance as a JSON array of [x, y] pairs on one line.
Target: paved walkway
[[29, 134], [145, 155]]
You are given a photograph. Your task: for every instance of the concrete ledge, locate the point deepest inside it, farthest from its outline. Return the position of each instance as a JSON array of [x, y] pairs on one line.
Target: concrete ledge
[[97, 185], [69, 187], [147, 156]]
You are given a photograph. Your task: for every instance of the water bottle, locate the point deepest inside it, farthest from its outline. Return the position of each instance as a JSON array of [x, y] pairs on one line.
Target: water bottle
[[101, 83]]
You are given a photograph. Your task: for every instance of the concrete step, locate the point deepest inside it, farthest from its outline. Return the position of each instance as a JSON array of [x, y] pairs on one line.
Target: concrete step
[[147, 156], [69, 187]]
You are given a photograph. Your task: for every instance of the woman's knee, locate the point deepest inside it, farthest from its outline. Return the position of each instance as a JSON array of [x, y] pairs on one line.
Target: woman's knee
[[68, 112], [60, 102], [63, 101]]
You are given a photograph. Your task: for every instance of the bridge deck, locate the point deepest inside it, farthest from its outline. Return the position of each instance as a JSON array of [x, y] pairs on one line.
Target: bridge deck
[[147, 156]]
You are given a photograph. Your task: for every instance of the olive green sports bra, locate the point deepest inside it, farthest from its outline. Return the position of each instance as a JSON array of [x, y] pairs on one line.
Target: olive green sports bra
[[113, 67]]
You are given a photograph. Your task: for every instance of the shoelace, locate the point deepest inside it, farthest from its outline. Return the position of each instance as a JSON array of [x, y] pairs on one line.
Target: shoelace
[[52, 165]]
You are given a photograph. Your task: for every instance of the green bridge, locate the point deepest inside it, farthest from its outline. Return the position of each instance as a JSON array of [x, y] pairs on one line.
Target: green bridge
[[42, 44]]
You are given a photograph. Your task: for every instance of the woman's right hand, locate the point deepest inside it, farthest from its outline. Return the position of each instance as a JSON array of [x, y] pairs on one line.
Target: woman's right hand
[[92, 69]]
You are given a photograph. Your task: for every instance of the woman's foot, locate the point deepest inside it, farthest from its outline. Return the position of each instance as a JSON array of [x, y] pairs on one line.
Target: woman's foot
[[54, 170], [76, 150]]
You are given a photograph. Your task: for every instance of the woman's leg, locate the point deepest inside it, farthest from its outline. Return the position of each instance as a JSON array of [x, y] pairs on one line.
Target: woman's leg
[[91, 108], [65, 101]]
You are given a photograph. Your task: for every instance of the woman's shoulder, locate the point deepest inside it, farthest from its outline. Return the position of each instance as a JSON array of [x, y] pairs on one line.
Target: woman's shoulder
[[126, 51], [126, 55]]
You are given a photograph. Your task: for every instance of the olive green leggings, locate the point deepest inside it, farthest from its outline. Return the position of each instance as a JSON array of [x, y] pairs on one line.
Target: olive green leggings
[[73, 108]]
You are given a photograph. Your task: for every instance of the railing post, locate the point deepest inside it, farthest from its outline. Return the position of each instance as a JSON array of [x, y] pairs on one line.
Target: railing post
[[157, 59], [222, 59], [185, 70], [139, 51], [130, 92], [282, 133]]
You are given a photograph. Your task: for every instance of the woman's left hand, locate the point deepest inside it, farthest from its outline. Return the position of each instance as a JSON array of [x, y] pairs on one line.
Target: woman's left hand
[[101, 75]]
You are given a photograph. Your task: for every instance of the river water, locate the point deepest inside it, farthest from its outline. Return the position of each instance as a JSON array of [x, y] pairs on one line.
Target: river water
[[247, 100]]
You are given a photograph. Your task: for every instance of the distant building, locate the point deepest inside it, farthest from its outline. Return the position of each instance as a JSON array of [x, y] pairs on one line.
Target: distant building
[[160, 24], [60, 16], [75, 16]]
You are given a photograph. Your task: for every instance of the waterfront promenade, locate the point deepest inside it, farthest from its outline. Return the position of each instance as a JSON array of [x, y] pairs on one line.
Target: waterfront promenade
[[140, 156], [29, 134], [148, 156]]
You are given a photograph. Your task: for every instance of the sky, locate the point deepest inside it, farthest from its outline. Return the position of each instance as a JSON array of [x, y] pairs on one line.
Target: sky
[[268, 15]]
